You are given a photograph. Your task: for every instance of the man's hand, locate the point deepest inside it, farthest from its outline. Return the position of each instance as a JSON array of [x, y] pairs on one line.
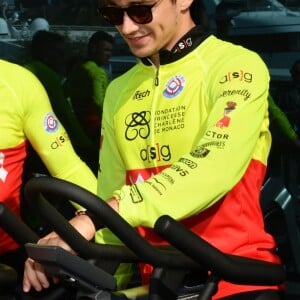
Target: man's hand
[[34, 274], [113, 203]]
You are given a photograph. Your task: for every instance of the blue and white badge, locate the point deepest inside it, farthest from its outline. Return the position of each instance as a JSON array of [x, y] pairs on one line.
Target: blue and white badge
[[174, 86], [51, 123]]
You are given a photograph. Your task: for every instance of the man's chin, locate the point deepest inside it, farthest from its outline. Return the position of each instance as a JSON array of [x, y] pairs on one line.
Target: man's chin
[[141, 53]]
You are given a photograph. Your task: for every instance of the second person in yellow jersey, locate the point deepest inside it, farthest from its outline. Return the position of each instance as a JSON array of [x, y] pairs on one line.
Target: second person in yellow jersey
[[26, 117], [48, 54], [86, 83]]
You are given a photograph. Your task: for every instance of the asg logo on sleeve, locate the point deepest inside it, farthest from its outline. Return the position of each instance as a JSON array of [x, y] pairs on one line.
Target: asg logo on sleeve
[[50, 123], [238, 75]]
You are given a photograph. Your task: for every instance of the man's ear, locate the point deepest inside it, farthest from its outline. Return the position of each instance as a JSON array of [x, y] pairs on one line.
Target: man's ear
[[185, 4]]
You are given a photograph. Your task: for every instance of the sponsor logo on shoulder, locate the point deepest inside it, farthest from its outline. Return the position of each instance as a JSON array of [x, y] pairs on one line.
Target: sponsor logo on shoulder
[[51, 123], [240, 75]]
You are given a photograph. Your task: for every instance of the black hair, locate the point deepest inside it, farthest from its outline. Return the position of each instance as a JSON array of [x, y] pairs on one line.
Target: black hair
[[97, 37], [198, 13], [43, 41]]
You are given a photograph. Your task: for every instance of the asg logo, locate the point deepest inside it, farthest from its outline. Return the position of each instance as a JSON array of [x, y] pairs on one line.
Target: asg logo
[[137, 125], [237, 75], [50, 123], [174, 86], [184, 44], [60, 141], [156, 152]]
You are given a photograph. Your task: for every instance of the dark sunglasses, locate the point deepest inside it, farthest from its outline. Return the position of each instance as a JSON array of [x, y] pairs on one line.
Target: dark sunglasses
[[140, 14]]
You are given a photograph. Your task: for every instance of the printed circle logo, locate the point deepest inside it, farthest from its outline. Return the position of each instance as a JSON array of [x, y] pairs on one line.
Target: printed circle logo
[[174, 86], [50, 123]]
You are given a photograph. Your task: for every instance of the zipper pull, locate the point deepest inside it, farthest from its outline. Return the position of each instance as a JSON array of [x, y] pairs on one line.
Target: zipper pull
[[156, 82]]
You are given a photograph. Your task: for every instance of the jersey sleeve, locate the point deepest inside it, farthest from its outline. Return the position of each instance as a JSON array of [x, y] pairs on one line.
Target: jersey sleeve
[[49, 138]]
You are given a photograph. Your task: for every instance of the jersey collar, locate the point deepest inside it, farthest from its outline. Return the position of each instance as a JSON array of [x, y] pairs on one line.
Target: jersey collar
[[184, 46]]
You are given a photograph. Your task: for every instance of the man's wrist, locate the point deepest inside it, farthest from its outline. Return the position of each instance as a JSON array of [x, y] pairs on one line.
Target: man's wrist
[[96, 221], [114, 203]]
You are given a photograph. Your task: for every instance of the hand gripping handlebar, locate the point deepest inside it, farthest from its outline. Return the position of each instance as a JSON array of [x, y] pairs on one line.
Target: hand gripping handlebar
[[137, 248]]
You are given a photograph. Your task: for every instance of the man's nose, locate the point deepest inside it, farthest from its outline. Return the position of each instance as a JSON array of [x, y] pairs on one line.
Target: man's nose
[[128, 24]]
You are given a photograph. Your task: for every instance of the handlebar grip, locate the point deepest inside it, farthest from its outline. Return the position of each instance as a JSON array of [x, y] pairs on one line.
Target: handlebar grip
[[232, 268], [15, 227], [61, 263], [22, 234]]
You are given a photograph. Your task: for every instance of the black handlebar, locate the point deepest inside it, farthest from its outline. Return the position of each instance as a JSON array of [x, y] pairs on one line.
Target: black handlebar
[[138, 248], [232, 268], [22, 234], [195, 253], [15, 227], [59, 262], [229, 267]]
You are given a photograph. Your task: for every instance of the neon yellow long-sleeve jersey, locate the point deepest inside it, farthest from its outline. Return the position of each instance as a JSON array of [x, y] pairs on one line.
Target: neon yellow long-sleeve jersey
[[27, 116], [190, 139]]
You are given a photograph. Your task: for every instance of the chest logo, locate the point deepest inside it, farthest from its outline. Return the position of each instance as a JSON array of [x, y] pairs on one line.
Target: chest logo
[[174, 87]]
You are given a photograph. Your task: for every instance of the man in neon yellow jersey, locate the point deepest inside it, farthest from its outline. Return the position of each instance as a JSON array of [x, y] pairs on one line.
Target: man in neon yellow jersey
[[26, 117], [47, 63], [184, 133], [86, 83]]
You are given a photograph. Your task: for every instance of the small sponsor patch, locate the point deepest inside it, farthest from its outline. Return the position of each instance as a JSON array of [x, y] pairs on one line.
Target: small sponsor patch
[[174, 86], [225, 120], [200, 152], [50, 123]]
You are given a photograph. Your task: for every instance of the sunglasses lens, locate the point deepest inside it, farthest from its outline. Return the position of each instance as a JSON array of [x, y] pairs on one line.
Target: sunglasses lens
[[113, 15], [140, 14]]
